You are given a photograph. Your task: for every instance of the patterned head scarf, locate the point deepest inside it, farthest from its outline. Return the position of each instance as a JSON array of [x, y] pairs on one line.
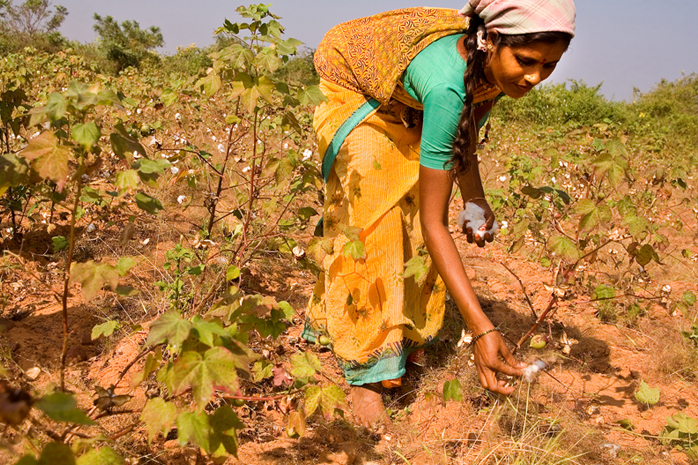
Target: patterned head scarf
[[524, 16]]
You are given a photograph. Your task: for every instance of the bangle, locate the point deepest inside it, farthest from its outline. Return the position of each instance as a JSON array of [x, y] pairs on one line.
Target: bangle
[[476, 198], [474, 340]]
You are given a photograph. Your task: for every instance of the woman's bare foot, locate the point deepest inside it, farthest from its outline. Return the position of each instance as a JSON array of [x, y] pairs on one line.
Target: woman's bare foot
[[368, 407]]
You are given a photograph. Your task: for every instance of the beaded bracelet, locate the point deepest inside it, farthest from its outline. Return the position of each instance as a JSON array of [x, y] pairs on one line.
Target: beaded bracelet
[[474, 340], [477, 198]]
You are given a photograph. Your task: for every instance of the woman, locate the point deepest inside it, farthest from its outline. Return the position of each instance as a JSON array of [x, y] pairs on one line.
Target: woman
[[407, 92]]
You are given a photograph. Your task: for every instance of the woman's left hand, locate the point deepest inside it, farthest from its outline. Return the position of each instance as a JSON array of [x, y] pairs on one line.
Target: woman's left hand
[[481, 239]]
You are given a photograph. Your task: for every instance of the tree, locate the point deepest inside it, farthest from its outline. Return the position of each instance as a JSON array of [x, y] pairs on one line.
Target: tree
[[34, 22], [126, 44], [32, 17]]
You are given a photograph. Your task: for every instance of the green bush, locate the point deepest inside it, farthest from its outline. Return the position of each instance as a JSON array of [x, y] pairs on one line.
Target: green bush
[[557, 105]]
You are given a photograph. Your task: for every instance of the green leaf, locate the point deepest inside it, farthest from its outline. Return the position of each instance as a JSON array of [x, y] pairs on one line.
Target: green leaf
[[216, 369], [158, 416], [153, 166], [48, 158], [211, 83], [109, 98], [103, 456], [56, 453], [327, 398], [613, 167], [63, 407], [626, 424], [416, 267], [232, 273], [311, 95], [105, 329], [124, 265], [584, 207], [563, 247], [224, 423], [170, 327], [689, 298], [13, 171], [87, 135], [148, 203], [262, 370], [284, 170], [305, 365], [127, 180], [59, 243], [287, 310], [92, 277], [453, 391], [238, 56], [355, 250], [194, 427], [152, 362], [123, 144], [645, 254], [637, 226], [56, 106], [532, 192], [646, 394], [268, 59], [352, 232], [206, 330], [603, 291], [126, 291], [27, 460], [594, 216]]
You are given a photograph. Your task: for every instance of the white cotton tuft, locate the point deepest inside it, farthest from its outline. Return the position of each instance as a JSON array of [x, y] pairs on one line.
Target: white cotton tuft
[[530, 373], [474, 215]]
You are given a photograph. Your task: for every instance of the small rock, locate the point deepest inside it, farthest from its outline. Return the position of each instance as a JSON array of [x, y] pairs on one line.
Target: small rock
[[33, 373]]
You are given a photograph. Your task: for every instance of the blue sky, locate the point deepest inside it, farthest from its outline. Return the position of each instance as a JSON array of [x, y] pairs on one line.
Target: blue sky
[[620, 43]]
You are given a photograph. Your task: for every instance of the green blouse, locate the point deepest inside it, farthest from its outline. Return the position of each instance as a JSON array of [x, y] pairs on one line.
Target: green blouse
[[434, 78]]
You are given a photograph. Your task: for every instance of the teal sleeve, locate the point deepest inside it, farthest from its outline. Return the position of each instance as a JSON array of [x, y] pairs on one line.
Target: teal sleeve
[[435, 79], [442, 109]]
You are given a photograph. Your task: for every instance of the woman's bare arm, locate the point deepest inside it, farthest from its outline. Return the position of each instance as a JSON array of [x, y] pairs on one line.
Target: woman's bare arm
[[434, 195]]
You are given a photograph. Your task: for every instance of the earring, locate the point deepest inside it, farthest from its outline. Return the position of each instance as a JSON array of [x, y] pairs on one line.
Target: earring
[[489, 47]]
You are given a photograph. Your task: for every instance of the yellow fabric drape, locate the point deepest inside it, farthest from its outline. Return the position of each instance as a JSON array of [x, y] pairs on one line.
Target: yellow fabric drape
[[374, 316], [368, 55]]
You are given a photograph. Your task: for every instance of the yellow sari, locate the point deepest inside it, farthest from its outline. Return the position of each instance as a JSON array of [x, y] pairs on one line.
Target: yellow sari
[[374, 316]]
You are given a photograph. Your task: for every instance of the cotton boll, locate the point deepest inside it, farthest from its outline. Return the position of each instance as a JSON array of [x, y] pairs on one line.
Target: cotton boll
[[530, 373], [474, 216]]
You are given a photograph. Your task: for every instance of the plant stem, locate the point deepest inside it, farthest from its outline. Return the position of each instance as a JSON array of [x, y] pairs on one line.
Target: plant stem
[[253, 177], [215, 200], [66, 280]]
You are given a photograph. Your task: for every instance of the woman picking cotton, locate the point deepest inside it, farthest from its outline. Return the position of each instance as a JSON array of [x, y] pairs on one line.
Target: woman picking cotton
[[407, 93]]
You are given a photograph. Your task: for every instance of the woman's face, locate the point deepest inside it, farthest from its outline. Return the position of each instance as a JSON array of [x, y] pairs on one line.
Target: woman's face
[[515, 70]]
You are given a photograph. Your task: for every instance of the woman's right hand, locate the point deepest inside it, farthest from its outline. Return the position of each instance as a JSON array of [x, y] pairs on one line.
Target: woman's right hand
[[492, 356], [483, 237]]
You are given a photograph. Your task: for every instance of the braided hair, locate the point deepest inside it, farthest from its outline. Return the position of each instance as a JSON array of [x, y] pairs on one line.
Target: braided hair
[[465, 143]]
